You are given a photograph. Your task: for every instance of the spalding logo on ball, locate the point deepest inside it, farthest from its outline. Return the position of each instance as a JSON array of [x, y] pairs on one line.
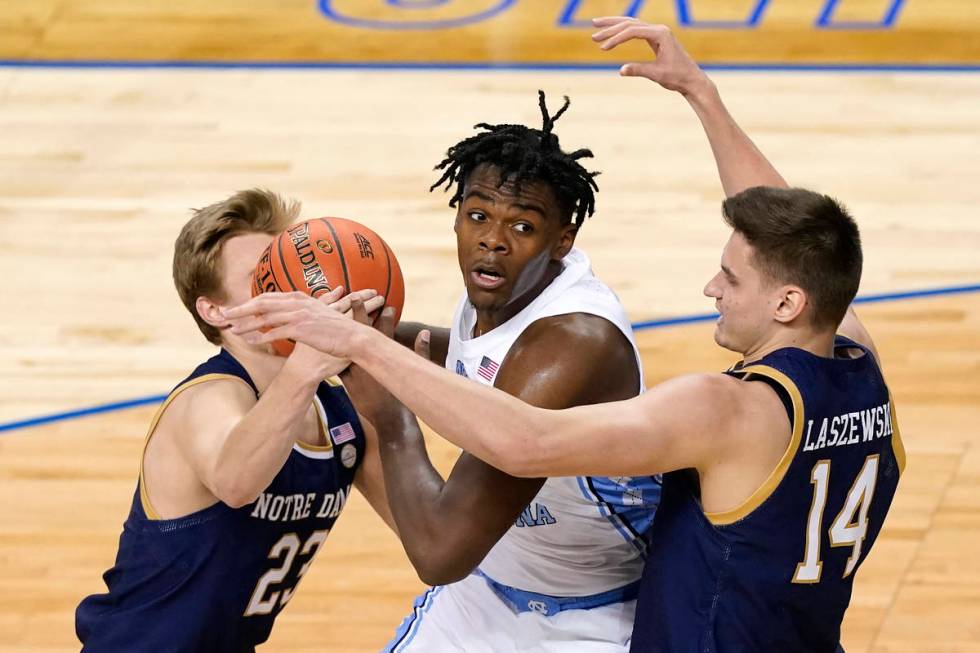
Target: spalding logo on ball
[[316, 256]]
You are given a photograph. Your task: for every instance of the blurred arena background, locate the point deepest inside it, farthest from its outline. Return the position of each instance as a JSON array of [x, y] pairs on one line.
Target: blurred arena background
[[118, 117]]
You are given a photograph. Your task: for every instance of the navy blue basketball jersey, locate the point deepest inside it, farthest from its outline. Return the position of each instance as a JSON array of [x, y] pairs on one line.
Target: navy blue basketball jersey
[[215, 580], [775, 573]]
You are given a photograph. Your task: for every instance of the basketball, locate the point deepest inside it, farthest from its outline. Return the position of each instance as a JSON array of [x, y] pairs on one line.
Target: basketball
[[316, 256]]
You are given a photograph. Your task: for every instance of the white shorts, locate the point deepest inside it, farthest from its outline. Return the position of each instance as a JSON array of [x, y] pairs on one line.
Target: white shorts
[[469, 617]]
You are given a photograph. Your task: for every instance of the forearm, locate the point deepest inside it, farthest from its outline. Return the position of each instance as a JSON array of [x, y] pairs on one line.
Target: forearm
[[446, 528], [622, 438], [491, 425], [414, 490], [412, 483], [741, 164], [258, 446]]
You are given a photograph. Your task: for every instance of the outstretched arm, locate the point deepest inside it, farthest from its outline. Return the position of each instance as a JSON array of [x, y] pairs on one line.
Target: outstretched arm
[[673, 426], [740, 163], [686, 422]]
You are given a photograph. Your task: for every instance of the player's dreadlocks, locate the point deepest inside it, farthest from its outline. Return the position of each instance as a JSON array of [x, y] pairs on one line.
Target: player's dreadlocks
[[524, 155]]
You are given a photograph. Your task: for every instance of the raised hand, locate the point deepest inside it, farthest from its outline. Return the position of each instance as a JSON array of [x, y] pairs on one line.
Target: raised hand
[[673, 68]]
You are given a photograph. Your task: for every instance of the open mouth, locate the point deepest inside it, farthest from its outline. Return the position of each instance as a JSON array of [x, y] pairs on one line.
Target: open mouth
[[487, 278]]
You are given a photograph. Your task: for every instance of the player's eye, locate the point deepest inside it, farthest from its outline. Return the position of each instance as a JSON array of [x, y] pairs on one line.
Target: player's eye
[[477, 216], [523, 227]]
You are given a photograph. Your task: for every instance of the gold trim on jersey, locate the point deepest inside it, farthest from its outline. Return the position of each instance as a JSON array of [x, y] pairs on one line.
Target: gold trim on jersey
[[776, 476], [898, 447], [314, 447], [144, 495], [323, 427]]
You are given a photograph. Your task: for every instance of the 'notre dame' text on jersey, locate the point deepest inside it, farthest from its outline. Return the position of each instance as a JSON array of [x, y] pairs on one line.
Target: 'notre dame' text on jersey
[[215, 580], [775, 573]]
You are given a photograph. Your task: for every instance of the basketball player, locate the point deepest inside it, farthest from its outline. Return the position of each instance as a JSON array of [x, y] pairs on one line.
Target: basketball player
[[246, 467], [520, 564], [778, 473]]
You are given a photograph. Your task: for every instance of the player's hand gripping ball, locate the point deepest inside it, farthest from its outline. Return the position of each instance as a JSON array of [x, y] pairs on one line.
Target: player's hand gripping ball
[[316, 256]]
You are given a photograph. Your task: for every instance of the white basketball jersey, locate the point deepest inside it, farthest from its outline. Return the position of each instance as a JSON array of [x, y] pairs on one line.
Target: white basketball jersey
[[580, 535]]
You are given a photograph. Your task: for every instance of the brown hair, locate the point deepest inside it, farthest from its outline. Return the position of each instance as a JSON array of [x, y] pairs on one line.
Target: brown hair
[[197, 251], [803, 238]]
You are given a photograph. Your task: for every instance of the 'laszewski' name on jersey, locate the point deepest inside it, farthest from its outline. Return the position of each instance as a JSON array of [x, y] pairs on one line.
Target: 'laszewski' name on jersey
[[850, 428], [294, 507]]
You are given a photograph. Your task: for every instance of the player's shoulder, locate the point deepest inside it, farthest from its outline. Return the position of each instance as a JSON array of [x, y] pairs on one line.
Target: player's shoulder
[[570, 359], [210, 395], [752, 408], [585, 329], [726, 398], [713, 391], [584, 335]]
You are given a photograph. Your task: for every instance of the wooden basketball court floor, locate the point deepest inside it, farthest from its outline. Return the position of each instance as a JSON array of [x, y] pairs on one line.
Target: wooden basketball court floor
[[98, 169]]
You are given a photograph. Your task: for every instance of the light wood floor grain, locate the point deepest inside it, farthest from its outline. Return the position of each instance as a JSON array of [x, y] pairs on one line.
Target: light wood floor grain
[[98, 169], [476, 31]]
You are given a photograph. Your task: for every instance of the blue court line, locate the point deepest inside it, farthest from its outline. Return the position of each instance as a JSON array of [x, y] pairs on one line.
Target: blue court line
[[534, 66], [638, 326], [81, 412]]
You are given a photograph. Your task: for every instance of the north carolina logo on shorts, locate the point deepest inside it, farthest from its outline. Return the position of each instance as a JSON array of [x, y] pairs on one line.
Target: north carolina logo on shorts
[[537, 606]]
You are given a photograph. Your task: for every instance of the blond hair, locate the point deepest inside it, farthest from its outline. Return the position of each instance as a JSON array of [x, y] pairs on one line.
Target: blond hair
[[197, 251]]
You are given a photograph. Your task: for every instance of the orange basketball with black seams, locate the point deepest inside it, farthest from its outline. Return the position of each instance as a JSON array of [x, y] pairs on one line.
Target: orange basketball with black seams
[[316, 256]]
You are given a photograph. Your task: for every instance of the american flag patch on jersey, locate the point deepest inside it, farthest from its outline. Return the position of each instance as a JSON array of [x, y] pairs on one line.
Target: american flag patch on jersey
[[343, 433], [487, 368]]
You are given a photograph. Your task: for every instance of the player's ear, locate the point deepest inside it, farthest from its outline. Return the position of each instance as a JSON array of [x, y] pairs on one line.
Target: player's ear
[[792, 301], [210, 312], [566, 240]]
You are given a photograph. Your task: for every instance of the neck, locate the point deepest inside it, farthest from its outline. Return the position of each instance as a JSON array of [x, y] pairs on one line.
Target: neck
[[818, 343], [260, 365], [489, 320]]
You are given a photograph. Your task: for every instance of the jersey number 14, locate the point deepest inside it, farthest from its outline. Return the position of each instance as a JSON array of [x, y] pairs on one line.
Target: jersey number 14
[[849, 528]]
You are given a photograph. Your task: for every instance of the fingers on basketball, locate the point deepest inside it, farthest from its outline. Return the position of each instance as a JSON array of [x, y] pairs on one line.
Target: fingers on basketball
[[317, 256]]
